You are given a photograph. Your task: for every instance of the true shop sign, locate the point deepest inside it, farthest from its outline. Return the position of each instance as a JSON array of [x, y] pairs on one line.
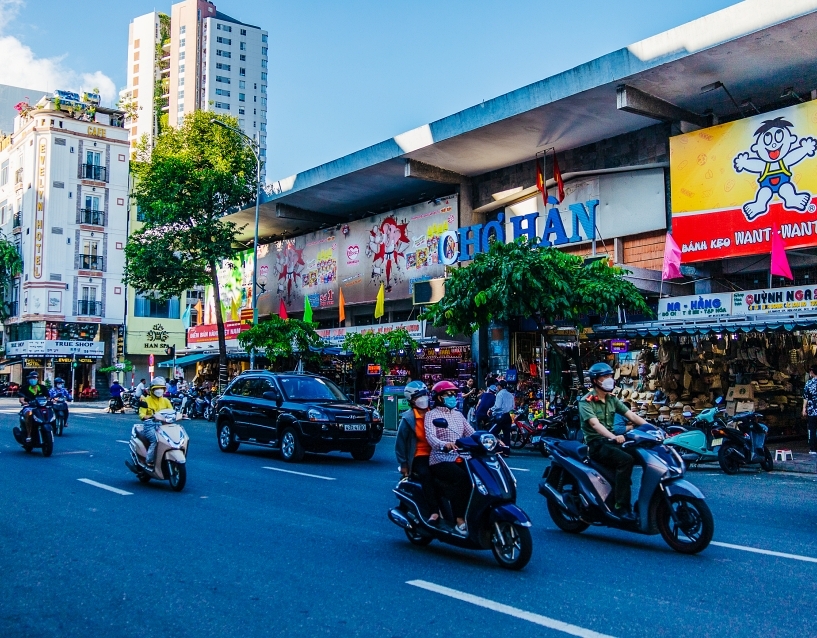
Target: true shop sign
[[569, 225]]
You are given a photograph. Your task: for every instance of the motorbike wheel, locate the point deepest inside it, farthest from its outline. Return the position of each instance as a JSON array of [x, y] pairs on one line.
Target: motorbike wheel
[[48, 443], [517, 439], [207, 414], [767, 464], [59, 424], [729, 464], [512, 545], [177, 474], [542, 449], [226, 441], [416, 538], [695, 526], [565, 521]]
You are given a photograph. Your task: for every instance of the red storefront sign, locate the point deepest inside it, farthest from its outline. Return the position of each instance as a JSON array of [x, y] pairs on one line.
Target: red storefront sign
[[203, 334]]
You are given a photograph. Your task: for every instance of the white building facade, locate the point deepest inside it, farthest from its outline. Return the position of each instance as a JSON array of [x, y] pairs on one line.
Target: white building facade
[[64, 203]]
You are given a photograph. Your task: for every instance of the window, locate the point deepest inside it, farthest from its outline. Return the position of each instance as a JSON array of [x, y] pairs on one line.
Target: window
[[263, 152], [224, 92], [241, 97], [263, 101], [180, 107], [224, 27], [254, 112], [180, 95], [263, 64], [263, 126], [223, 105], [182, 42], [136, 68], [254, 98], [240, 388], [221, 40], [181, 69], [91, 202], [181, 81], [182, 29], [263, 37], [243, 57], [93, 158], [263, 140], [4, 173], [140, 216], [147, 307], [241, 111], [243, 46], [304, 388], [263, 88], [254, 125], [243, 32], [242, 84], [254, 85], [223, 54], [136, 44], [263, 50], [263, 76], [181, 55], [222, 66], [242, 71], [223, 79]]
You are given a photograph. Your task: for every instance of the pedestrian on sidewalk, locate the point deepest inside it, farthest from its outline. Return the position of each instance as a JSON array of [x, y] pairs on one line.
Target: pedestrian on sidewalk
[[810, 409]]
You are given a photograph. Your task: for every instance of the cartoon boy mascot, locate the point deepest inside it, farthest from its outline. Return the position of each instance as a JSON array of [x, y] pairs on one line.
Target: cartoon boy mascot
[[776, 150]]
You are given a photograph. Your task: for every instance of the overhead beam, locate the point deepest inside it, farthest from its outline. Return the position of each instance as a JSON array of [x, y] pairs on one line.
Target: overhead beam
[[635, 101], [285, 211], [430, 173]]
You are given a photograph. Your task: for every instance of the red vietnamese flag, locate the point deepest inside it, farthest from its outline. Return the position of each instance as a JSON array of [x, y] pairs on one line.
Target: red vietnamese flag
[[282, 310], [557, 175], [540, 179]]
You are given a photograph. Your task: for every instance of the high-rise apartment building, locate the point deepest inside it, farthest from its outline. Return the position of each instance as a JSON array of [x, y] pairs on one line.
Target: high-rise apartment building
[[197, 58]]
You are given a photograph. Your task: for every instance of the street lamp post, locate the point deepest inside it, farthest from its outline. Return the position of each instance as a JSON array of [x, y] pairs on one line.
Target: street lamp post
[[254, 147]]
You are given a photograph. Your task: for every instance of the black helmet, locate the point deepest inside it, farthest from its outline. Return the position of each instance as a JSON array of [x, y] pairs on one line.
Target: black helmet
[[33, 375], [599, 370]]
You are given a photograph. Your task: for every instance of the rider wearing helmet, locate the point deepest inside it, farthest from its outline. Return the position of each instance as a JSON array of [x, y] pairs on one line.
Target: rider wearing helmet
[[597, 410], [449, 469], [59, 391], [28, 392], [151, 403], [412, 448]]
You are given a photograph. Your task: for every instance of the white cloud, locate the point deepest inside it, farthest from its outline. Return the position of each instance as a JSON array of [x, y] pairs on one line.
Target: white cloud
[[21, 66]]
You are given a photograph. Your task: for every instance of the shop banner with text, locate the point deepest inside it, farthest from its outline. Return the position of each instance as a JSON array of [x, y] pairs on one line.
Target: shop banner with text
[[695, 306], [336, 336], [771, 300], [733, 183]]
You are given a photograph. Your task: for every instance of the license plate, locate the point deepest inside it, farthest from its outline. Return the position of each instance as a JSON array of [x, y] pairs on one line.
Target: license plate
[[536, 440], [716, 442], [354, 427]]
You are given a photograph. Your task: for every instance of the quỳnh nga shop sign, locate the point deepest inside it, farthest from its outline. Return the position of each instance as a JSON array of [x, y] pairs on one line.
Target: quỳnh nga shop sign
[[770, 300], [734, 183]]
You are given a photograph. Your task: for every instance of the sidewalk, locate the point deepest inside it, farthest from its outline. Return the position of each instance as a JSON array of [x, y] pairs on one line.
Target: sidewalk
[[802, 462]]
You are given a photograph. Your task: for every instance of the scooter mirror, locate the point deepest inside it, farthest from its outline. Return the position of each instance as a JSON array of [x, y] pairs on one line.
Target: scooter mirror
[[719, 400], [440, 423]]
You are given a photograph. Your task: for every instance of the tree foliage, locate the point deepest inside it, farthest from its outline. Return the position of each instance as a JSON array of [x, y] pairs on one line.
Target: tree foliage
[[11, 265], [377, 347], [184, 184], [521, 279], [126, 366], [282, 338]]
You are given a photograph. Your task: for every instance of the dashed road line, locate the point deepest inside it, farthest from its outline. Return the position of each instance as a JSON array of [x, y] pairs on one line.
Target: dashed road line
[[317, 476], [766, 552], [102, 486], [72, 452]]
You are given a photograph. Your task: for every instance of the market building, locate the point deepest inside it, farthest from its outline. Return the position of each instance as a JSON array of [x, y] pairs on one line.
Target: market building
[[63, 203]]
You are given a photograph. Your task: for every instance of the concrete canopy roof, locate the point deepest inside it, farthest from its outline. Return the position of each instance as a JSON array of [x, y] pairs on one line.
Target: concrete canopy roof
[[756, 48]]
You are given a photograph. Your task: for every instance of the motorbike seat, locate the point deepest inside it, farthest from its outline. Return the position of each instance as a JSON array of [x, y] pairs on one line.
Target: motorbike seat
[[573, 449], [140, 434]]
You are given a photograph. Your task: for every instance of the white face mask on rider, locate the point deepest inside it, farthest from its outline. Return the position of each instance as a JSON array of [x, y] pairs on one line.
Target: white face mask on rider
[[158, 393], [608, 384], [421, 403]]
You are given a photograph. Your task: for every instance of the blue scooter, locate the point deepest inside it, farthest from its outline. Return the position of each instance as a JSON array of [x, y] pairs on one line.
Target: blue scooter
[[698, 445], [494, 520]]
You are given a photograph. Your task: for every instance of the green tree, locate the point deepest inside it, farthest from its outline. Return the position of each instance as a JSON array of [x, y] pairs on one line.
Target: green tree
[[185, 184], [377, 347], [523, 280], [282, 338], [11, 265]]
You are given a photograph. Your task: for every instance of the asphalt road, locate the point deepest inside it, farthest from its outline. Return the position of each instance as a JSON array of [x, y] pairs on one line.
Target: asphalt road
[[246, 550]]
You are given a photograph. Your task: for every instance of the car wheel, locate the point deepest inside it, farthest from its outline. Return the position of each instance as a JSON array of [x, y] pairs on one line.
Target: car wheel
[[291, 449], [226, 438], [364, 453]]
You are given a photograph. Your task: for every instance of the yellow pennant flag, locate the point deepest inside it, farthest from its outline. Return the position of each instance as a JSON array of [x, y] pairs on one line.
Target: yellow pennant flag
[[199, 314], [341, 307], [379, 307]]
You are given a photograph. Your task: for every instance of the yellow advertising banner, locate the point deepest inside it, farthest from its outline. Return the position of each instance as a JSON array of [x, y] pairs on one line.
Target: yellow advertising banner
[[735, 184]]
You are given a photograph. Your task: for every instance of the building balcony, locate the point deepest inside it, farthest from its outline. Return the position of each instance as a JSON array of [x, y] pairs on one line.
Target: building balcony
[[94, 172], [93, 217], [17, 220], [87, 308], [91, 262]]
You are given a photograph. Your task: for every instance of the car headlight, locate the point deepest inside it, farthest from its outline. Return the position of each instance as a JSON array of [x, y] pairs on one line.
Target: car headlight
[[488, 441], [376, 415], [313, 414]]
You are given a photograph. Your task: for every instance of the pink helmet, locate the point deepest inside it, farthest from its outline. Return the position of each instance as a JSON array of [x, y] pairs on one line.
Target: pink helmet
[[443, 386]]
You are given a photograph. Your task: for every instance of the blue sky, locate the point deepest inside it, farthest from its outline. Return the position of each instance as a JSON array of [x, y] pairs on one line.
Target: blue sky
[[347, 74]]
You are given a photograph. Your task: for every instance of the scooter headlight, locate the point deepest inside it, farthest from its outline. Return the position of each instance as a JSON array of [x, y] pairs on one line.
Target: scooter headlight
[[489, 442]]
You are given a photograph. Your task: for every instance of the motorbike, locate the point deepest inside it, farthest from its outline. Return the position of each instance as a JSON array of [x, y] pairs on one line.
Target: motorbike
[[42, 435], [211, 409], [522, 430], [116, 404], [579, 492], [493, 519], [697, 444], [562, 425], [171, 451], [199, 403], [60, 407], [742, 441]]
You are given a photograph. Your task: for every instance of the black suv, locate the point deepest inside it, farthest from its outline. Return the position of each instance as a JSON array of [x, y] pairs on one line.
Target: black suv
[[294, 413]]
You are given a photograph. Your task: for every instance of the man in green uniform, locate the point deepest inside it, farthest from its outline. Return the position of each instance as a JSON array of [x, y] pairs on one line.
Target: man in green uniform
[[597, 411]]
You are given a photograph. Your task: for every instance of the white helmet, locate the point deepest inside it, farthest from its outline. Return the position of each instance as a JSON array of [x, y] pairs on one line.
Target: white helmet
[[157, 382]]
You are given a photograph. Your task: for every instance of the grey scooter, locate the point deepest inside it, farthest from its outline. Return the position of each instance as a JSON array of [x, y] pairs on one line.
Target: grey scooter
[[579, 492]]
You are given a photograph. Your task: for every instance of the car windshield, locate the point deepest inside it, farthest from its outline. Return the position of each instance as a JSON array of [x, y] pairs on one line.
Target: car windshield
[[303, 388]]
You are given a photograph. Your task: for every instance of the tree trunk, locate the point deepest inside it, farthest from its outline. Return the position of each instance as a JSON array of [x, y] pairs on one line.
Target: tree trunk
[[222, 337]]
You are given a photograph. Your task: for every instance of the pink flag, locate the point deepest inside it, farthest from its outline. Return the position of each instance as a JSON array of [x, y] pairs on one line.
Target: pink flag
[[672, 260], [780, 264]]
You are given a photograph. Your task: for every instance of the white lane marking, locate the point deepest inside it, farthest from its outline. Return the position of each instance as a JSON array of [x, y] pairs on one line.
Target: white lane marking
[[544, 621], [278, 469], [518, 469], [767, 552], [121, 441], [102, 486], [72, 452]]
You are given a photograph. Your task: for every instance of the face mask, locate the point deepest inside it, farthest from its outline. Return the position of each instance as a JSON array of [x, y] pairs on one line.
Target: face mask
[[59, 386], [158, 393], [450, 402], [32, 382], [421, 403], [608, 384]]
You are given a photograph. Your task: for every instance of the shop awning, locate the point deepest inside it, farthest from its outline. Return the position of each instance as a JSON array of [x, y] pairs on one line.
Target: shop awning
[[187, 360], [785, 322]]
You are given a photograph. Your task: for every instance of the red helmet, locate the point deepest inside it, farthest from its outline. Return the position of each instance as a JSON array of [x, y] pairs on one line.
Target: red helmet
[[443, 386]]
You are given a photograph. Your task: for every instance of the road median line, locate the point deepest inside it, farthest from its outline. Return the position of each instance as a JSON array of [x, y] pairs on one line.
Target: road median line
[[765, 552], [317, 476], [102, 486]]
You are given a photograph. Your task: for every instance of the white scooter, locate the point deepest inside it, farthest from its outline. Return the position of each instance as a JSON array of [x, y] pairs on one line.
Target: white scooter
[[171, 451]]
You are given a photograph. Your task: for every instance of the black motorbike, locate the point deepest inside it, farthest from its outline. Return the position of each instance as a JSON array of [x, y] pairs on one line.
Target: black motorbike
[[742, 442], [116, 404], [493, 519], [60, 407], [565, 424], [42, 434], [211, 409], [199, 402], [579, 492]]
